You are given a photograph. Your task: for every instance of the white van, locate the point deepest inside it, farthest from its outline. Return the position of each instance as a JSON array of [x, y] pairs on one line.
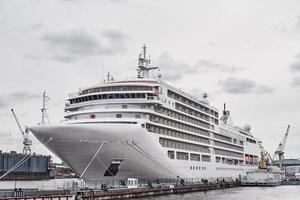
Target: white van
[[132, 183]]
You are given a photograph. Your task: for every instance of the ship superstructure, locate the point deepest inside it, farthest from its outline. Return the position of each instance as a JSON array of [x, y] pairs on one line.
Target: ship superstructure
[[146, 128]]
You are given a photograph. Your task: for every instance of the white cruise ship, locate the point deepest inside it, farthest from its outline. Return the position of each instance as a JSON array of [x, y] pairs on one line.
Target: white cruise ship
[[145, 128]]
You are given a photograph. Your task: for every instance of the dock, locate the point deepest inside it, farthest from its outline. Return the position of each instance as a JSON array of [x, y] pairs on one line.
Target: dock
[[126, 193]]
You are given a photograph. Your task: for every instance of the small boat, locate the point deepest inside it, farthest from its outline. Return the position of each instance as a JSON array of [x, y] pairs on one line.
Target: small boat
[[292, 181], [264, 175]]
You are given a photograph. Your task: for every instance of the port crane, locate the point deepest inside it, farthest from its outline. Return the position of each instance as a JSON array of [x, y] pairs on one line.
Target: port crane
[[279, 153], [26, 141], [267, 156]]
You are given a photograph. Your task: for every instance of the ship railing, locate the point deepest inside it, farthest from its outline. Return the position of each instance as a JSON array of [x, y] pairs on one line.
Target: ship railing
[[115, 184], [103, 101], [74, 94]]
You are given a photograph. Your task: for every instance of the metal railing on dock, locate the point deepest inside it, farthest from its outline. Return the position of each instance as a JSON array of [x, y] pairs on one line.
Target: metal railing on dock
[[105, 190], [153, 191]]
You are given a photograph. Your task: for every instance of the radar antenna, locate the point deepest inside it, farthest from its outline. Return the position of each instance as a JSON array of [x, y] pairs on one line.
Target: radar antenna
[[109, 77], [226, 114], [143, 64]]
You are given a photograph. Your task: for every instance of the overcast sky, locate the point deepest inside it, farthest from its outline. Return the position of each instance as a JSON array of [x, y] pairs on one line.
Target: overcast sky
[[244, 53]]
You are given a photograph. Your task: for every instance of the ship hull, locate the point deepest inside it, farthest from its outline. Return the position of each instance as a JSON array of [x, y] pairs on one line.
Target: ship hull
[[92, 149]]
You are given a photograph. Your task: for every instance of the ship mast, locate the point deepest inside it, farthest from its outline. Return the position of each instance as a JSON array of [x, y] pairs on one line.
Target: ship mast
[[143, 64], [44, 109]]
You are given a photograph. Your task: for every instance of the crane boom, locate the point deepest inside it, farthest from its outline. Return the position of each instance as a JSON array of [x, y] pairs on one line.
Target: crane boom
[[18, 123], [26, 141], [279, 153], [266, 154], [281, 145]]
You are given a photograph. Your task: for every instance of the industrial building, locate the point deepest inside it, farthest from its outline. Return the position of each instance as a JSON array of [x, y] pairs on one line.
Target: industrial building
[[34, 167], [291, 166]]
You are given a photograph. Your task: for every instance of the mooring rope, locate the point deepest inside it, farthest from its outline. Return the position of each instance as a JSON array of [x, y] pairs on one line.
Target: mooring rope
[[144, 153], [91, 161], [100, 161]]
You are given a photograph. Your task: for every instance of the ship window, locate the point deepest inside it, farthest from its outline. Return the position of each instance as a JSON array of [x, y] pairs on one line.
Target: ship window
[[195, 157], [137, 116], [119, 116], [182, 156], [205, 158], [93, 116], [122, 96], [94, 97], [171, 154], [124, 106]]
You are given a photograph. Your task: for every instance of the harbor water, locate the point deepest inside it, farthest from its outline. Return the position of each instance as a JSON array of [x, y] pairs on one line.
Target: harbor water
[[240, 193]]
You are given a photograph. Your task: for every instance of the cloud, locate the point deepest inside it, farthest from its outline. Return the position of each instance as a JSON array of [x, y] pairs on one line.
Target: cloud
[[209, 44], [70, 46], [296, 81], [263, 89], [295, 66], [212, 66], [36, 26], [17, 98], [280, 28], [2, 103], [243, 86], [298, 23], [174, 69], [237, 86], [287, 28]]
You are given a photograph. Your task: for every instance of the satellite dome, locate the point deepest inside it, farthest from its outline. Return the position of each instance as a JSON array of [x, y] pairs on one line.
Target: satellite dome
[[247, 127]]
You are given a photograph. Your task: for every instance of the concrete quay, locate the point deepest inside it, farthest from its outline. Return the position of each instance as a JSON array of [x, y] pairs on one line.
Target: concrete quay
[[145, 192], [122, 193]]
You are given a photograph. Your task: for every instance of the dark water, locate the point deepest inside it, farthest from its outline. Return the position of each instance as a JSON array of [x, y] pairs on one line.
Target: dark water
[[241, 193]]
